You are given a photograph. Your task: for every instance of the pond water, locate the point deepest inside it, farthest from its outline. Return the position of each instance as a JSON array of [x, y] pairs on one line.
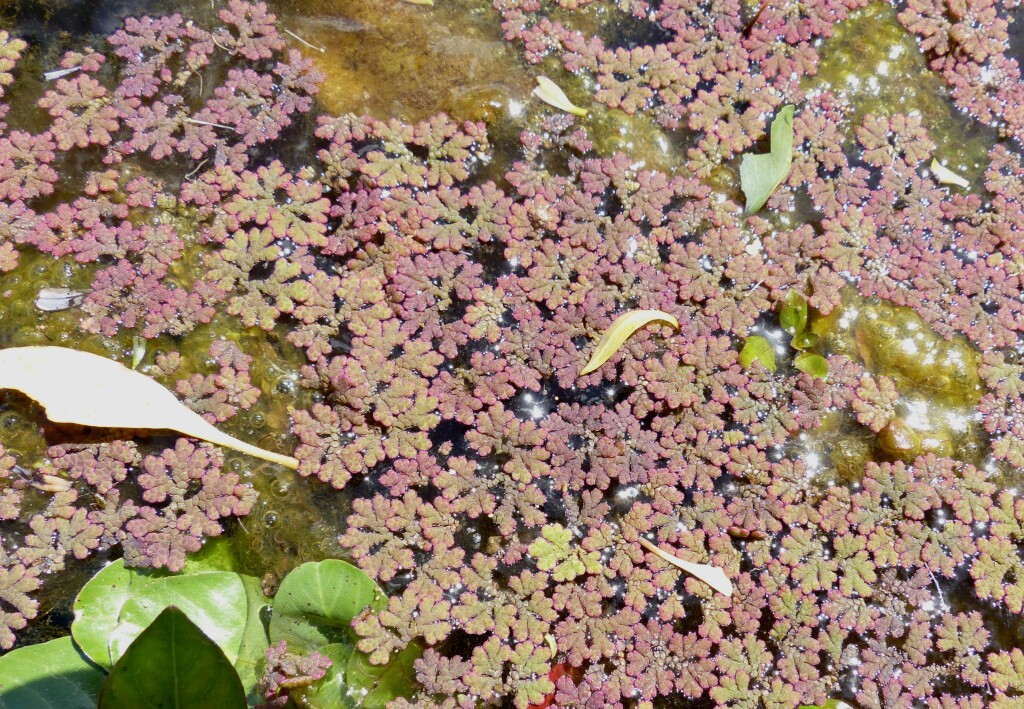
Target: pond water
[[445, 434]]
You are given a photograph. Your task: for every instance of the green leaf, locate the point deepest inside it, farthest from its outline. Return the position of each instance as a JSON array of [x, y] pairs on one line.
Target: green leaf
[[383, 682], [830, 704], [804, 340], [353, 682], [313, 610], [317, 602], [620, 330], [252, 651], [815, 365], [50, 675], [118, 603], [98, 606], [761, 174], [217, 554], [216, 602], [793, 316], [553, 550], [172, 665], [757, 349]]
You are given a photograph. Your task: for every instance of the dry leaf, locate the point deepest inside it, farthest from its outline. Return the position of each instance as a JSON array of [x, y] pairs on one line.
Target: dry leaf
[[83, 388], [946, 176], [51, 299], [138, 351], [711, 575], [620, 330], [59, 73], [549, 92]]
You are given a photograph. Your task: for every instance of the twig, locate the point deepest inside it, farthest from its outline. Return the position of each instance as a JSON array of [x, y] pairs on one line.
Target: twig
[[208, 123], [311, 46]]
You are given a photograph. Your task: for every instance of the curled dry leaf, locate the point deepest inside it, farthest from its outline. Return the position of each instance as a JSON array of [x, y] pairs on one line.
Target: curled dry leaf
[[620, 330], [946, 176], [89, 390], [550, 93], [711, 575]]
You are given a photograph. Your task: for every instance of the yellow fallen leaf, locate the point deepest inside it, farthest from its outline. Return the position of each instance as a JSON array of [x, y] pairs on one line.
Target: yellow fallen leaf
[[946, 176], [550, 93], [620, 330], [711, 575], [83, 388]]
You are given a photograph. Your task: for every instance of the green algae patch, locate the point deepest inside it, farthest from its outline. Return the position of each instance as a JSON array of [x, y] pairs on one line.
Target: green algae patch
[[924, 403], [394, 59], [875, 65]]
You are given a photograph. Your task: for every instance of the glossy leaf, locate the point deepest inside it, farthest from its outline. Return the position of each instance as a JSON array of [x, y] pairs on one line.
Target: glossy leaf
[[813, 364], [50, 675], [98, 606], [353, 682], [382, 683], [173, 664], [761, 174], [793, 316], [550, 93], [317, 601], [118, 603], [758, 349], [620, 330], [804, 340], [313, 610], [86, 389], [252, 649], [711, 575], [946, 176]]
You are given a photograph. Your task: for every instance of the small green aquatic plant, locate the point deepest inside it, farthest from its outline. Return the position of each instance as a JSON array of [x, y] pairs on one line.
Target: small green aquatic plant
[[210, 624], [793, 320]]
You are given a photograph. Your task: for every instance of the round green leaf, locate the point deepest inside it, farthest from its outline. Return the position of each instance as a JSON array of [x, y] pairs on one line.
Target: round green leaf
[[215, 601], [117, 603], [804, 340], [757, 349], [317, 602], [98, 606], [379, 684], [172, 665], [352, 682], [815, 365], [50, 675], [793, 316]]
